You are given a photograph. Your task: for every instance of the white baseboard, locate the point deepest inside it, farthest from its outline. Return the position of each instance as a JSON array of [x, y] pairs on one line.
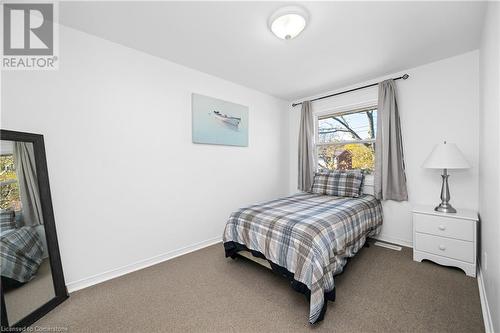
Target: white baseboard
[[488, 323], [114, 273], [388, 245], [392, 240]]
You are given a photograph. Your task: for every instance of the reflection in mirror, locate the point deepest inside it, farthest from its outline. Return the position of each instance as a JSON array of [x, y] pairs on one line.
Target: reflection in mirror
[[24, 259]]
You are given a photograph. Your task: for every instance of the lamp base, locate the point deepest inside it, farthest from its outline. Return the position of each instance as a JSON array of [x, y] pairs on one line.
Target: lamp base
[[445, 208]]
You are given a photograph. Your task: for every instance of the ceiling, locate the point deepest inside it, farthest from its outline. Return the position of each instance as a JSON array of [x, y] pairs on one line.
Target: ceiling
[[344, 42]]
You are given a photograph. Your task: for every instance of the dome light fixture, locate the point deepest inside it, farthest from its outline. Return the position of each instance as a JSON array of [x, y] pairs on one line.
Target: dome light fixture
[[288, 22]]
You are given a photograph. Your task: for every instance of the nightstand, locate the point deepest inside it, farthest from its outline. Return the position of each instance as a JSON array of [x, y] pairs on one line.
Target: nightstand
[[448, 239]]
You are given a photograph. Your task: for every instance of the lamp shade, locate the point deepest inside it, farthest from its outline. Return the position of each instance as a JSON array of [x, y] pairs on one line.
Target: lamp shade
[[446, 156]]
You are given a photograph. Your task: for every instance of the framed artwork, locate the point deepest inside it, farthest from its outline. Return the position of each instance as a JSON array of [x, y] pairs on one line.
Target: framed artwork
[[219, 122]]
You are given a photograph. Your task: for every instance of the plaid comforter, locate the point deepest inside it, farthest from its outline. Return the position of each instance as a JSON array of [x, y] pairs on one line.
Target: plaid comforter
[[21, 253], [310, 235]]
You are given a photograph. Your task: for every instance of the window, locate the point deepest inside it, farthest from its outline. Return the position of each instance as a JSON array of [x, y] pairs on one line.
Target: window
[[9, 186], [346, 141]]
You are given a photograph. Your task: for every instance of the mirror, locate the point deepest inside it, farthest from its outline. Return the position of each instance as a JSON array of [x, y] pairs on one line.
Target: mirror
[[32, 282]]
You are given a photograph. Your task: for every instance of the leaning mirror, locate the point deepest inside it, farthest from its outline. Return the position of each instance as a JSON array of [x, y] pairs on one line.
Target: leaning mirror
[[32, 281]]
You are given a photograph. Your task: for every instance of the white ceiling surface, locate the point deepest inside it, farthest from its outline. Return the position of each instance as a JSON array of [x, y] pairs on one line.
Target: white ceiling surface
[[344, 42]]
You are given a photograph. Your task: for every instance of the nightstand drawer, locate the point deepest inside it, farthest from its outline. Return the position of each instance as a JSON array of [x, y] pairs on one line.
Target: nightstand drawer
[[444, 226], [446, 247]]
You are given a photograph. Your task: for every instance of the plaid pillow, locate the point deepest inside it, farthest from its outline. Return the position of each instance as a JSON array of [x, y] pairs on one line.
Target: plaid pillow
[[7, 219], [320, 181], [19, 218], [345, 184]]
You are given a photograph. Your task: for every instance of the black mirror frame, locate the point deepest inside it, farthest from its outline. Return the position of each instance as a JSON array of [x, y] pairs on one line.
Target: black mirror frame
[[60, 291]]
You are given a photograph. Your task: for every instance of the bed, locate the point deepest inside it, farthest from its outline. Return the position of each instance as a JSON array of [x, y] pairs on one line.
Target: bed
[[21, 253], [306, 237]]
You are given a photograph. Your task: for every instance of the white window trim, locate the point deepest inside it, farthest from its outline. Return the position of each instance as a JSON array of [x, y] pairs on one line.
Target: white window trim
[[8, 182], [369, 179], [342, 142]]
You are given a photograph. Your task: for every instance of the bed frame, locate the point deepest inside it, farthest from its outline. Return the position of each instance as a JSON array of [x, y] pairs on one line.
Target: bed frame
[[249, 256]]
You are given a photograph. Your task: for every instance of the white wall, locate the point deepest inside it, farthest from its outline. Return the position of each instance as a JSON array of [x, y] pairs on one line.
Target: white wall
[[489, 181], [438, 102], [127, 182]]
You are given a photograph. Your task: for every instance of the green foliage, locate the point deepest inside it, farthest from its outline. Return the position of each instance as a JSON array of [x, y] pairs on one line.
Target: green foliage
[[348, 157], [9, 189], [363, 156], [7, 170]]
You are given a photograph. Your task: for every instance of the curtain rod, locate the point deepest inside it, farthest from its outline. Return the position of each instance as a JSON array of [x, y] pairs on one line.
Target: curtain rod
[[404, 77]]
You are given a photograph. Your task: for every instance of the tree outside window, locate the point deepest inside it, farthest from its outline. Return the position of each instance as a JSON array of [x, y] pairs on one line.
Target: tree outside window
[[9, 186], [346, 141]]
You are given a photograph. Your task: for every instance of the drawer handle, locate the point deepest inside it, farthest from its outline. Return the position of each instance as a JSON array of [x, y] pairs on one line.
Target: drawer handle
[[442, 247], [442, 228]]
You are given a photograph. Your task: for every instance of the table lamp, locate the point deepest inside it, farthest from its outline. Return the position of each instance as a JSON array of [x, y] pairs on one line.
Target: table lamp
[[446, 156]]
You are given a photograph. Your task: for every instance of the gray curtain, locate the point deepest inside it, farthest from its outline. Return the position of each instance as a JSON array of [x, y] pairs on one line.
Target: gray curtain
[[306, 148], [24, 160], [390, 178]]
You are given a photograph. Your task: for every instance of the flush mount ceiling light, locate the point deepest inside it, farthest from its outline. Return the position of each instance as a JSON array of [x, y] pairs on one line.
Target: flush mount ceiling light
[[288, 22]]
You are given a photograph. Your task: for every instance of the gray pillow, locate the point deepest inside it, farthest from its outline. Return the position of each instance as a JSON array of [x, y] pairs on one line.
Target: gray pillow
[[320, 181], [344, 184], [338, 183]]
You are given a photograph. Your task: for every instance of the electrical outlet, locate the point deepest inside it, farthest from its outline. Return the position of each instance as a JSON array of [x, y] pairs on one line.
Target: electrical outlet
[[485, 259]]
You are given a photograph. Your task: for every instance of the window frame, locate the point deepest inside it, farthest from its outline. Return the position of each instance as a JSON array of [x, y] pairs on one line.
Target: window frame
[[336, 112], [8, 182]]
